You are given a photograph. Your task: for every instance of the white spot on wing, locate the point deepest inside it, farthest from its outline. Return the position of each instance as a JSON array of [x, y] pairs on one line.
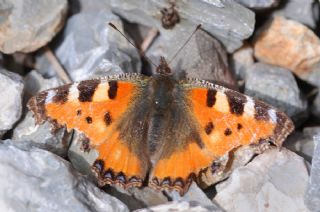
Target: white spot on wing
[[249, 107], [221, 103], [50, 95], [273, 115], [73, 92]]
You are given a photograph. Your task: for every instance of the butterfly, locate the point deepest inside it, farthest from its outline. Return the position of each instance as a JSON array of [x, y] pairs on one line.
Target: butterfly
[[158, 130]]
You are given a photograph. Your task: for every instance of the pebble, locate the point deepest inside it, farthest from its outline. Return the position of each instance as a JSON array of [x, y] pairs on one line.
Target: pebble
[[312, 195], [303, 142], [182, 206], [263, 184], [259, 4], [33, 179], [305, 12], [288, 44], [203, 57], [90, 48], [241, 60], [278, 87], [26, 26], [11, 87], [227, 21]]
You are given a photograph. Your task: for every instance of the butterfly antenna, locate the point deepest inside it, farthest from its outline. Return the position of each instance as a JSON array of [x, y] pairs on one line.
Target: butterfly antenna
[[185, 43], [141, 53]]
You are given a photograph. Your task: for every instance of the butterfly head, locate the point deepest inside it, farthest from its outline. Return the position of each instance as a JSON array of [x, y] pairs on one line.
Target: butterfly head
[[163, 67]]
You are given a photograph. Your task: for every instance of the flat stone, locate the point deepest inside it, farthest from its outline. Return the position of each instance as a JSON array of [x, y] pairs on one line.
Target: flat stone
[[313, 77], [11, 87], [227, 20], [259, 4], [241, 60], [203, 57], [277, 87], [91, 48], [281, 41], [27, 25], [33, 179], [263, 184], [303, 142], [181, 206], [194, 194], [40, 135], [80, 159], [305, 12], [312, 195]]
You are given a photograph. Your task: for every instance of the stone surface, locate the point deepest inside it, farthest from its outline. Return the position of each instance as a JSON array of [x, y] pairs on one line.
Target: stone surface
[[91, 48], [312, 196], [227, 20], [258, 4], [264, 185], [11, 87], [303, 142], [313, 77], [203, 57], [277, 87], [305, 12], [281, 42], [36, 180], [181, 206], [26, 26], [81, 160], [40, 135], [194, 194], [241, 60]]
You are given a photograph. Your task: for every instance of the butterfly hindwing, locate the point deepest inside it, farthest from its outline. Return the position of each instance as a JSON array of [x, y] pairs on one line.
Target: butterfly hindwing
[[222, 120], [97, 108]]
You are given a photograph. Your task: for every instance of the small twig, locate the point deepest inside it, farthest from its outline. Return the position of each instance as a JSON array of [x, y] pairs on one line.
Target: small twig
[[62, 74], [152, 34]]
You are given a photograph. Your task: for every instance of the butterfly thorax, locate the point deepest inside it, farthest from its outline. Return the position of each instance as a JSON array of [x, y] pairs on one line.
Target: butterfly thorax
[[163, 67]]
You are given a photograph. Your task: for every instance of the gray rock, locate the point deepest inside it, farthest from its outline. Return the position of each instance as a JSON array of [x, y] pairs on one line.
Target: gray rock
[[181, 206], [35, 82], [277, 87], [312, 196], [227, 20], [81, 6], [241, 60], [11, 91], [40, 135], [305, 12], [273, 181], [91, 48], [303, 142], [259, 4], [315, 108], [36, 180], [203, 57], [81, 160], [27, 25], [195, 194], [314, 78]]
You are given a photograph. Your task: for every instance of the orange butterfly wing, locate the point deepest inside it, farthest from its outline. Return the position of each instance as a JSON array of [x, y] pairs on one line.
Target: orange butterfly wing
[[95, 108], [224, 120]]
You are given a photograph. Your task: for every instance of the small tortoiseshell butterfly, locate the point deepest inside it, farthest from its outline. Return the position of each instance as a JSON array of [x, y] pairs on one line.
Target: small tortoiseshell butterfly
[[157, 127], [159, 130]]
